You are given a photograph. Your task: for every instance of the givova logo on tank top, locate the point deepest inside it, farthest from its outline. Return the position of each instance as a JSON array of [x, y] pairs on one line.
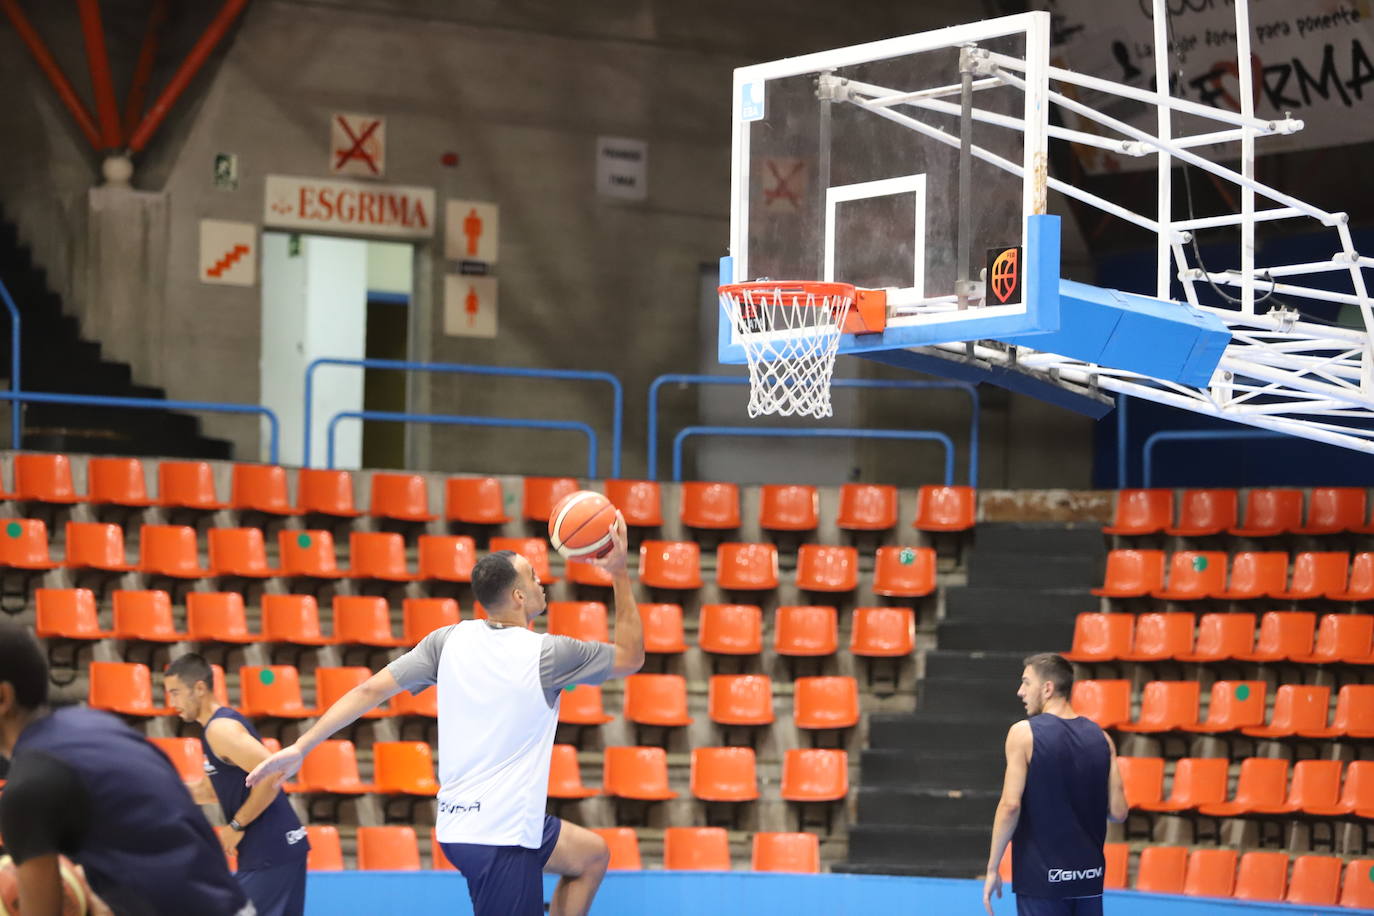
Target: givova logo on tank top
[[1057, 875]]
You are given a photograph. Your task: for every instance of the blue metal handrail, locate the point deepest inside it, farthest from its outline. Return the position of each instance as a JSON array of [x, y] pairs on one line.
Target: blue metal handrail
[[1193, 435], [16, 436], [101, 400], [618, 409], [688, 379], [821, 433], [458, 420]]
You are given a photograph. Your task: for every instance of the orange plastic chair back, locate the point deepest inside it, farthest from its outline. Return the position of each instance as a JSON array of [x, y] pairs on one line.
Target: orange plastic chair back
[[663, 630], [422, 616], [867, 507], [1143, 779], [1255, 574], [1261, 788], [1296, 707], [624, 847], [787, 852], [1162, 869], [740, 699], [378, 555], [814, 775], [670, 564], [543, 493], [1358, 888], [116, 481], [731, 629], [788, 507], [1132, 573], [1194, 574], [68, 613], [1203, 512], [95, 545], [1284, 635], [1101, 637], [747, 567], [144, 615], [187, 485], [637, 772], [43, 479], [260, 488], [1142, 512], [332, 683], [363, 620], [582, 706], [1270, 512], [1342, 638], [710, 505], [806, 630], [308, 553], [1316, 881], [292, 619], [536, 550], [326, 850], [1166, 706], [1161, 636], [1317, 575], [1197, 781], [904, 572], [945, 508], [1234, 705], [185, 754], [696, 849], [1108, 703], [123, 688], [656, 699], [1361, 584], [475, 501], [883, 631], [332, 767], [825, 702], [272, 690], [400, 496], [325, 492], [405, 767], [239, 552], [1118, 856], [580, 620], [1331, 510], [448, 558], [24, 544], [824, 568], [1222, 636], [170, 550], [724, 774], [1211, 873], [565, 778], [640, 501], [388, 849]]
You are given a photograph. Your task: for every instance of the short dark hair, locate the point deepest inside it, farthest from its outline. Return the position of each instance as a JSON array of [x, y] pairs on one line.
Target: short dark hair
[[22, 664], [1054, 668], [494, 576], [190, 668]]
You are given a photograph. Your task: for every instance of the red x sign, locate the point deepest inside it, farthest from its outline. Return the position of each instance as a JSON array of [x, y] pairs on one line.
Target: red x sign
[[784, 184], [357, 145]]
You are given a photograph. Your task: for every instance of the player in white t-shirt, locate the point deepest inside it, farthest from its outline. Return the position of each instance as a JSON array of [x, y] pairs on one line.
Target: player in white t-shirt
[[499, 686]]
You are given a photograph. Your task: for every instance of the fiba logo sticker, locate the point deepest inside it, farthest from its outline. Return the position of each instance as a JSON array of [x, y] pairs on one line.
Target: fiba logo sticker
[[1004, 276]]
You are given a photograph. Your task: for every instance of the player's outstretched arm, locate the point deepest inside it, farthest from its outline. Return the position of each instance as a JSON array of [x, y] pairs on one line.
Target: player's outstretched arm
[[629, 629], [1117, 808], [1019, 742], [368, 695]]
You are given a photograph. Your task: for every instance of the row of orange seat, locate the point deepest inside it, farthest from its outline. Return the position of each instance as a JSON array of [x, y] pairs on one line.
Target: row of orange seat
[[1283, 636], [472, 500], [1268, 512], [1265, 787], [1202, 574], [1236, 706]]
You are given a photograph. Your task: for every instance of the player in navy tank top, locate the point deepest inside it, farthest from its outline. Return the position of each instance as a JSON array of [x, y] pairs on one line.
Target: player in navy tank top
[[264, 831], [1062, 785]]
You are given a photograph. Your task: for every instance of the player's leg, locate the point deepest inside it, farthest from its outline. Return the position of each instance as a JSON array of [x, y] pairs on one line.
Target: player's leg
[[580, 857], [1046, 906], [276, 891]]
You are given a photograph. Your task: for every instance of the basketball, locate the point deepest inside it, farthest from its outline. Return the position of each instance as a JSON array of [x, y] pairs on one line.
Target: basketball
[[74, 893], [580, 525]]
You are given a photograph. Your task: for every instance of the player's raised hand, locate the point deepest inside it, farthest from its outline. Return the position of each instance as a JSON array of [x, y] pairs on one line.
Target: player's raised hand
[[617, 560], [282, 765]]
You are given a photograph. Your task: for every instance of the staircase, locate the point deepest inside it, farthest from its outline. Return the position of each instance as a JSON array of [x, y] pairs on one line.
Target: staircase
[[930, 780], [55, 358]]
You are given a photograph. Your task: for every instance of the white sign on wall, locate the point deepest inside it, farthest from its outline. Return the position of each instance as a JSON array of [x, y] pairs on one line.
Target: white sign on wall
[[471, 231], [469, 306], [357, 145], [228, 252], [622, 168], [348, 206]]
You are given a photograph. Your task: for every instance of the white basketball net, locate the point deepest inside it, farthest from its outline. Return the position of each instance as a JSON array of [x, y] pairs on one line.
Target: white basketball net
[[790, 336]]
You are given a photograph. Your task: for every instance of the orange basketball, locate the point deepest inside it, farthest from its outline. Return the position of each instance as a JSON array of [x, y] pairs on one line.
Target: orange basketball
[[580, 525], [74, 890]]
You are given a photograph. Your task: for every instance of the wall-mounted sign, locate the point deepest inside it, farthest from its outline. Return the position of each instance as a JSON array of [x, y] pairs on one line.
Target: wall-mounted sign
[[357, 145], [471, 231], [469, 306], [228, 252], [346, 206], [622, 168]]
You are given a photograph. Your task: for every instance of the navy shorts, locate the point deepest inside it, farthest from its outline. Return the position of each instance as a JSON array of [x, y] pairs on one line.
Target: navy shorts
[[505, 880], [1058, 906], [275, 891]]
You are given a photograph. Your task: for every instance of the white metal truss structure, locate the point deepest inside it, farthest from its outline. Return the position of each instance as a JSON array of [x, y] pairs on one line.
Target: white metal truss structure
[[1279, 373]]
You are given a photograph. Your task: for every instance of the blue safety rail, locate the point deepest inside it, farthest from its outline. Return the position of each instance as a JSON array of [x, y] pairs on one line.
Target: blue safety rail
[[677, 379], [100, 400], [16, 420], [776, 432], [618, 409], [1193, 435], [458, 420]]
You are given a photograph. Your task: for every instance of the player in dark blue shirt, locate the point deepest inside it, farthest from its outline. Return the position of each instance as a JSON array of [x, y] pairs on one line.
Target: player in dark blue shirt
[[263, 829], [85, 785], [1062, 785]]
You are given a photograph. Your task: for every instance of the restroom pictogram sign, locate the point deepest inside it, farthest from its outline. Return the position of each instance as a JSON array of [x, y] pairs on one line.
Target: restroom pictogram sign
[[472, 231]]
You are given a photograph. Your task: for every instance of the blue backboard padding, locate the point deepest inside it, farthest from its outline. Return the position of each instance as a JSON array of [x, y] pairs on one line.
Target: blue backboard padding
[[1164, 340]]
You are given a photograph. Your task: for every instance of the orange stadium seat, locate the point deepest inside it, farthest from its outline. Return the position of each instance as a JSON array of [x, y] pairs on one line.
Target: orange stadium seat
[[637, 773], [404, 497], [1317, 575], [145, 616], [24, 545], [663, 630], [424, 704], [1108, 703], [747, 567], [1221, 637], [1331, 510], [1316, 786], [1342, 638], [1296, 707], [293, 619], [1194, 574], [447, 558], [536, 550], [1357, 793], [624, 847], [814, 775], [867, 507], [1283, 635], [1210, 873], [825, 568], [95, 545], [1118, 856], [786, 852], [332, 767], [388, 849], [1166, 706], [640, 501], [325, 492], [1262, 876], [404, 767], [1361, 584], [326, 851], [882, 631], [309, 554], [239, 552], [170, 550], [1354, 716], [1204, 512], [1132, 573], [1316, 881], [260, 488], [1197, 781], [582, 706], [187, 485], [656, 699], [670, 564], [788, 507], [710, 505], [186, 755], [1142, 512], [724, 774], [438, 858], [378, 555], [1261, 789], [44, 479], [332, 683], [580, 572], [1269, 513], [1234, 705], [945, 508], [806, 630], [904, 572], [825, 702], [740, 699], [272, 691], [696, 849], [475, 501], [730, 629], [565, 778], [1159, 637], [116, 482], [122, 687], [579, 619], [364, 620], [1358, 888], [1101, 637], [1142, 779], [543, 493], [70, 613], [1162, 869], [1255, 574]]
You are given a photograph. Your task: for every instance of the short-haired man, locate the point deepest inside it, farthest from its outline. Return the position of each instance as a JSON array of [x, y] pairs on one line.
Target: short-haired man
[[499, 685], [84, 785], [1062, 784], [264, 831]]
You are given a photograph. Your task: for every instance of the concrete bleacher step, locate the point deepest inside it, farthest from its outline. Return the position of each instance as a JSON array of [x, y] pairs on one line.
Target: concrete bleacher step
[[926, 869], [995, 606], [927, 807], [1055, 539], [933, 768], [918, 731], [990, 697], [918, 845], [1038, 572], [951, 663], [1009, 636]]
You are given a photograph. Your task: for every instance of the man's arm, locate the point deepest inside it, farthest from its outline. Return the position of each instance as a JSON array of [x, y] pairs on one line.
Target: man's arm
[[629, 629], [40, 886], [1018, 748], [44, 805], [1117, 809], [232, 742]]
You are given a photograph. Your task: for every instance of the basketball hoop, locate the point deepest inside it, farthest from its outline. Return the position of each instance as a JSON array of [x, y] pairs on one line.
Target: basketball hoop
[[790, 331]]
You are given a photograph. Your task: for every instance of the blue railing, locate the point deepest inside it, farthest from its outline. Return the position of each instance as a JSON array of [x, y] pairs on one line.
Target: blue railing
[[16, 421], [100, 400], [457, 420], [1192, 435], [618, 409], [679, 379], [773, 432]]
